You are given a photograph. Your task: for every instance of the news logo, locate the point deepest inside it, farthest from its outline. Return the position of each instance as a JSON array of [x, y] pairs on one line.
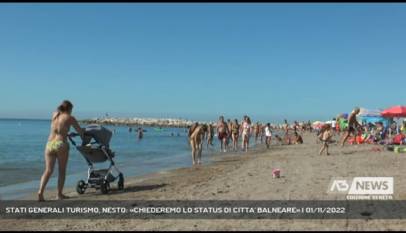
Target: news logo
[[363, 188]]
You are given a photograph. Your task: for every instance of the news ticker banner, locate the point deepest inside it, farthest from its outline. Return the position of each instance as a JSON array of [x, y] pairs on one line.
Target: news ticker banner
[[71, 209]]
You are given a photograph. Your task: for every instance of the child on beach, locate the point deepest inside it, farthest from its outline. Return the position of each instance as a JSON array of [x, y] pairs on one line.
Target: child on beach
[[268, 135], [325, 136]]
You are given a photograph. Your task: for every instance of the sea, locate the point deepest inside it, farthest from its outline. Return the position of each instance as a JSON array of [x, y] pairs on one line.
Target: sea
[[22, 145]]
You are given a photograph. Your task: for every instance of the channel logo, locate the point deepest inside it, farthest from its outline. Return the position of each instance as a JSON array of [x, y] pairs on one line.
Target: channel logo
[[363, 187]]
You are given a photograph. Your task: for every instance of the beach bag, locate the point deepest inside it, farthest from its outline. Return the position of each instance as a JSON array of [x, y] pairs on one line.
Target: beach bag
[[399, 149]]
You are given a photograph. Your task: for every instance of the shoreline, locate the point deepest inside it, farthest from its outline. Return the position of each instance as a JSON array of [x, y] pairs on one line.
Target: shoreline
[[305, 175], [213, 158]]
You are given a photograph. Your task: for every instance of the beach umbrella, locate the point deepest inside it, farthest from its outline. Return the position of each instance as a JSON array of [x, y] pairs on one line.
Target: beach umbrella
[[396, 111], [318, 123]]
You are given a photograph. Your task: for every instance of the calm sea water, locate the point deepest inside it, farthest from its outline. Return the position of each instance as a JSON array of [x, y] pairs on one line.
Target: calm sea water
[[22, 144]]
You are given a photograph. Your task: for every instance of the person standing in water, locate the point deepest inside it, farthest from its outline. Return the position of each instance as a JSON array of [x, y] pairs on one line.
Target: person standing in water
[[352, 125], [257, 130], [192, 128], [222, 133], [140, 133], [196, 142], [235, 131], [210, 135], [57, 147], [229, 136]]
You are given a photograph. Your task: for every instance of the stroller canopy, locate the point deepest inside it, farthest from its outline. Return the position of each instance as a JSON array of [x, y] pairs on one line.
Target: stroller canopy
[[100, 134]]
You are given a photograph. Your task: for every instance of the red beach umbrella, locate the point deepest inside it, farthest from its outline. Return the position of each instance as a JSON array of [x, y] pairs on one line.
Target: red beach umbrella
[[396, 111]]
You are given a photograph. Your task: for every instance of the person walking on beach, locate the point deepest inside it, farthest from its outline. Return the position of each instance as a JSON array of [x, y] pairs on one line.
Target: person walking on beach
[[229, 136], [235, 131], [222, 133], [57, 147], [352, 125], [196, 142], [286, 130], [246, 131], [257, 130], [210, 135], [325, 136], [268, 135]]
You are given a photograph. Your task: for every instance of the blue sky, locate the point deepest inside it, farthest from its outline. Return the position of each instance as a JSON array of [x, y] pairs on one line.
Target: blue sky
[[270, 61]]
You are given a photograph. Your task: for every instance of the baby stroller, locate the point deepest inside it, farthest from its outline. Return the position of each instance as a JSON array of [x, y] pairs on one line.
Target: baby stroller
[[95, 149]]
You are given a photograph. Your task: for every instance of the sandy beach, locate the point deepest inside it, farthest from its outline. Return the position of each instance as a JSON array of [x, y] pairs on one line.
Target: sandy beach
[[305, 175]]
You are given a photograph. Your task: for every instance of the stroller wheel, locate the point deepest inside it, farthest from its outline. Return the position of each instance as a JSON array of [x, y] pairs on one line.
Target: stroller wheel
[[104, 187], [81, 187], [120, 182]]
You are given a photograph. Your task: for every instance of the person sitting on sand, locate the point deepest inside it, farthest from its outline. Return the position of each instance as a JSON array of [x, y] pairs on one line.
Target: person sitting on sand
[[403, 128], [325, 137], [57, 147], [222, 133], [196, 142], [352, 125]]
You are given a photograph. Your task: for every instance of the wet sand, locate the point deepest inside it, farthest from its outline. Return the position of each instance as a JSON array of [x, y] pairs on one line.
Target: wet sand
[[305, 175]]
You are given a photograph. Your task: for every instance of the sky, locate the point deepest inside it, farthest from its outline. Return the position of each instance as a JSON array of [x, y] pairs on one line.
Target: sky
[[199, 60]]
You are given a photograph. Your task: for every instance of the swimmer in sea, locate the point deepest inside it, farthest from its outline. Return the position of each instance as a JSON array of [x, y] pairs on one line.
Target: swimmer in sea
[[140, 133]]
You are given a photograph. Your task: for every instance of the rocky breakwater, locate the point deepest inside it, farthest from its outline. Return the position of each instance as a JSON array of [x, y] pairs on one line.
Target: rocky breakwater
[[153, 122]]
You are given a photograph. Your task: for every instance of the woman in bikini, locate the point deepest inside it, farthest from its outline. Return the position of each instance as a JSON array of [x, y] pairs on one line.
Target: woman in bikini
[[235, 131], [246, 130], [57, 147]]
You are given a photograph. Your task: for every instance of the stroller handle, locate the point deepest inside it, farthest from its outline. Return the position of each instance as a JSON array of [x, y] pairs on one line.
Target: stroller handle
[[70, 136]]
